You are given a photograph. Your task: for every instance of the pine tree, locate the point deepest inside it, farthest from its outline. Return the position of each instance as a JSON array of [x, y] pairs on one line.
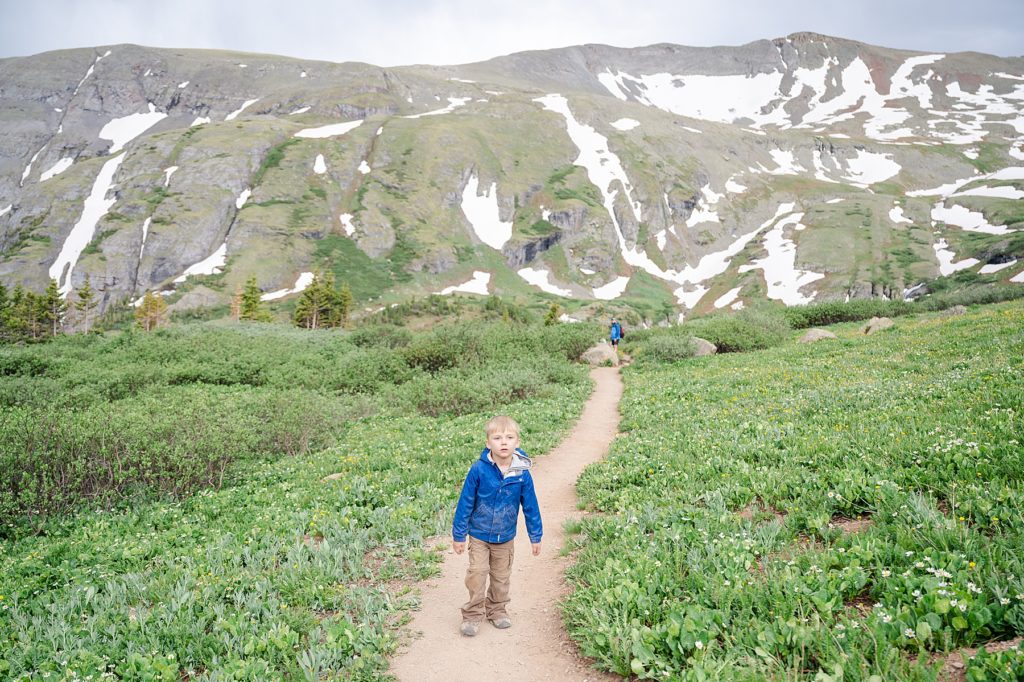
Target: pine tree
[[309, 312], [152, 313], [86, 302], [53, 309], [250, 305], [552, 317]]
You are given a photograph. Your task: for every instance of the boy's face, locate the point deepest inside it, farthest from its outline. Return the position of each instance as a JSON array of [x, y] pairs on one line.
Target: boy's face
[[502, 443]]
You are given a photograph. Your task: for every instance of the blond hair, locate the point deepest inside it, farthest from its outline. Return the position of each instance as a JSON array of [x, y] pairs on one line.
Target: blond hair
[[501, 423]]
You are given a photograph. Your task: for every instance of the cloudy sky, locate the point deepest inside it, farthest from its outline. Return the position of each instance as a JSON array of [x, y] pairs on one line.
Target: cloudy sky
[[394, 32]]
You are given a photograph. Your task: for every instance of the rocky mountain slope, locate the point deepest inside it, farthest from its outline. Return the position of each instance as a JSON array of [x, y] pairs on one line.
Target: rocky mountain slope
[[797, 169]]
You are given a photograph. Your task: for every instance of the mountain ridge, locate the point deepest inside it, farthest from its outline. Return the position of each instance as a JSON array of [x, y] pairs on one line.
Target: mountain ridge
[[806, 121]]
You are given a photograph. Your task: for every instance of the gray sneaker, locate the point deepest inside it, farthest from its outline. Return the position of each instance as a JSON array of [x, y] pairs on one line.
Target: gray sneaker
[[502, 623], [469, 628]]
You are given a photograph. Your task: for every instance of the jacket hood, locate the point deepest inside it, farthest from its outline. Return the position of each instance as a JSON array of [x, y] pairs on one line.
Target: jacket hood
[[520, 461]]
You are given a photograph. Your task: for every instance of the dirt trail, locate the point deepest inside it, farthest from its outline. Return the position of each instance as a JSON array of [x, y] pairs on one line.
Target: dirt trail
[[536, 647]]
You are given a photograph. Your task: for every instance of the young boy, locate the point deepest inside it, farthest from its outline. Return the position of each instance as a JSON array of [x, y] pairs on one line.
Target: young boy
[[496, 486]]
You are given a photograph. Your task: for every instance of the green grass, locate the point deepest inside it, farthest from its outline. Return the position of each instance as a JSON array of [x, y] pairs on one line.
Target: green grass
[[718, 552], [267, 571]]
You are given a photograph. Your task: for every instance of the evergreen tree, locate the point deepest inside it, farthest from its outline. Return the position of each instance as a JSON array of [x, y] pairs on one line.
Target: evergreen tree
[[552, 317], [53, 308], [313, 304], [152, 313], [250, 305], [86, 302]]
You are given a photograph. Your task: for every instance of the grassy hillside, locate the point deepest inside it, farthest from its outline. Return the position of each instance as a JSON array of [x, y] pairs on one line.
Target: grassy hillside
[[840, 510]]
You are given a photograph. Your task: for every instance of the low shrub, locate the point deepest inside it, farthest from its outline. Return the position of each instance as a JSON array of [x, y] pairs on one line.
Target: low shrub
[[744, 331], [823, 314], [668, 348]]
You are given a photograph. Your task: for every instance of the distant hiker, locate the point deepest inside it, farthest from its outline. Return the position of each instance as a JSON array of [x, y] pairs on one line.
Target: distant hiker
[[497, 485], [616, 333]]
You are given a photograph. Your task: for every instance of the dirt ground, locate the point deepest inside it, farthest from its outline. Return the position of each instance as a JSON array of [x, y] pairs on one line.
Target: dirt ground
[[536, 647]]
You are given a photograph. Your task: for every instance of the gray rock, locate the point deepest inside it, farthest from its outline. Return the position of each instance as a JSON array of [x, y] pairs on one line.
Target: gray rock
[[601, 353], [954, 311], [703, 347], [877, 324], [813, 335]]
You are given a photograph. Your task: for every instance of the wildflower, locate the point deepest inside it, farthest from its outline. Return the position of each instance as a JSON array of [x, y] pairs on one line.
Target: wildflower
[[909, 553], [963, 607], [886, 618], [1004, 601], [908, 633], [917, 593], [886, 573], [699, 644]]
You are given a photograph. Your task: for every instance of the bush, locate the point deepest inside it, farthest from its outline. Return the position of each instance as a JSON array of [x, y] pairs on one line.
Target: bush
[[669, 348], [823, 314], [381, 336], [744, 331]]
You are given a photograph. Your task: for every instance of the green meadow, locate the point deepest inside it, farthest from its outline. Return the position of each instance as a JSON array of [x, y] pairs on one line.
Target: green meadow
[[834, 511], [223, 501]]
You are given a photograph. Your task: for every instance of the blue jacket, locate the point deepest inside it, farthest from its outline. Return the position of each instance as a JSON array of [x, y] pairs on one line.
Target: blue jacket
[[488, 507], [616, 331]]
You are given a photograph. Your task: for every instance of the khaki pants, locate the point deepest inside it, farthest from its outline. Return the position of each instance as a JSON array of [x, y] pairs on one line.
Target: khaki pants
[[494, 560]]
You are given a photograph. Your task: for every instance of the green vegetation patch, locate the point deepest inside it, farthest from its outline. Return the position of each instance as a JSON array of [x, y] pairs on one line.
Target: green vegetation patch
[[852, 508]]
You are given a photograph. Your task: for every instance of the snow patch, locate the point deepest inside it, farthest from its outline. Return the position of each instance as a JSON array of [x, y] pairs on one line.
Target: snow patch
[[300, 110], [319, 165], [1001, 192], [243, 197], [211, 265], [542, 280], [168, 172], [96, 206], [734, 187], [728, 298], [897, 217], [304, 280], [57, 168], [182, 85], [346, 222], [483, 214], [946, 258], [868, 168], [123, 130], [145, 233], [625, 124], [781, 275], [612, 289], [476, 285], [332, 130], [364, 167], [966, 219], [453, 104], [200, 120], [993, 268], [234, 114]]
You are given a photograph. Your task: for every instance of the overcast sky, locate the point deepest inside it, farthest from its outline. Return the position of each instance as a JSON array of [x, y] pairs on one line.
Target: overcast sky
[[396, 32]]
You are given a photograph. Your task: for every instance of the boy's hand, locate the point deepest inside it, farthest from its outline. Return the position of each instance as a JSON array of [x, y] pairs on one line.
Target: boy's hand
[[458, 547], [535, 548]]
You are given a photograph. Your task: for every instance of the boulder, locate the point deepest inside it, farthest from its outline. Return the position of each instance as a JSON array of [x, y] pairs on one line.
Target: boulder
[[600, 354], [703, 347], [954, 311], [813, 335], [877, 324]]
